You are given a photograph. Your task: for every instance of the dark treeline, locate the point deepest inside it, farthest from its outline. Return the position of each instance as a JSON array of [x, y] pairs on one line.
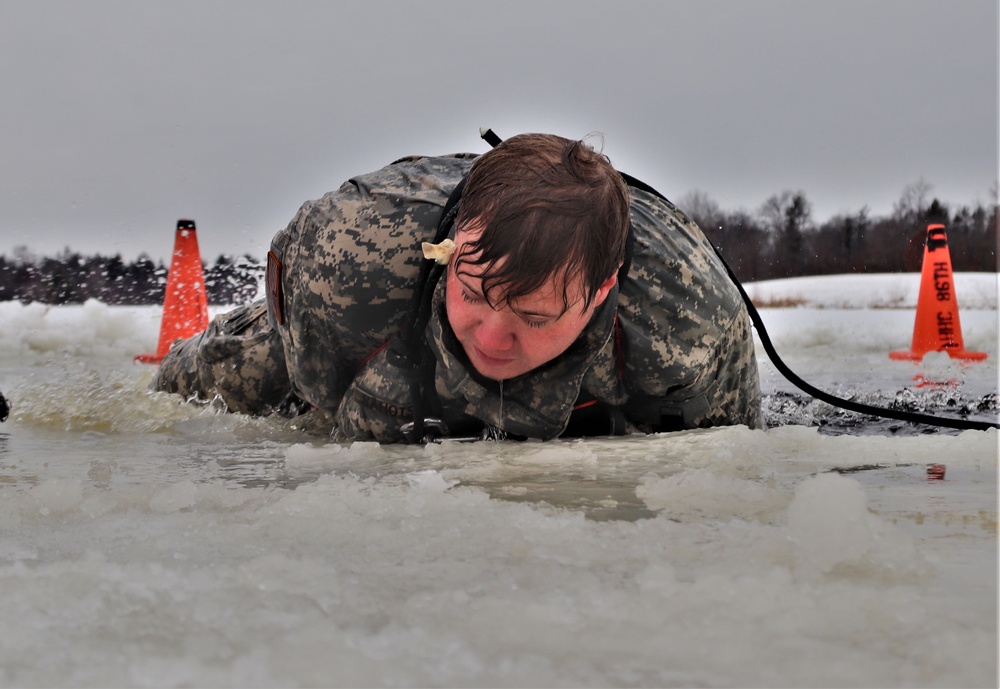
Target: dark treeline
[[779, 240], [70, 278]]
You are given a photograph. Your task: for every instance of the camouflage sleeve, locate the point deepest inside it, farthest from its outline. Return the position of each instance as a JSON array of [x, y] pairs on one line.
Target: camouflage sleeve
[[238, 359], [689, 352], [350, 260], [724, 390]]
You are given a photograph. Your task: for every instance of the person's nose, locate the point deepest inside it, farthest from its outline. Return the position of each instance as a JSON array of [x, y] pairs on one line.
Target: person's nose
[[494, 332]]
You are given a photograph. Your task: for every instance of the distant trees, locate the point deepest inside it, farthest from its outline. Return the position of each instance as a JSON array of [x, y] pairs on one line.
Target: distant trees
[[780, 239], [232, 281], [70, 278]]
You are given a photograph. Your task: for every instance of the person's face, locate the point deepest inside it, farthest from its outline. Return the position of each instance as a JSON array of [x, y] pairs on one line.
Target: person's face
[[507, 341]]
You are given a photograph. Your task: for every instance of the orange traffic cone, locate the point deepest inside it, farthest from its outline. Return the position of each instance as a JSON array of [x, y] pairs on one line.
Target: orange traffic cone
[[937, 327], [185, 305]]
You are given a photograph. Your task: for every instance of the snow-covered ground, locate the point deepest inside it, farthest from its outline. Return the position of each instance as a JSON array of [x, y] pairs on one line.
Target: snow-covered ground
[[149, 542], [975, 291]]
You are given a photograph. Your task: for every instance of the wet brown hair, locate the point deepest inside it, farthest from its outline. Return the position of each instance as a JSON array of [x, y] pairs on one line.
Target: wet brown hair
[[548, 206]]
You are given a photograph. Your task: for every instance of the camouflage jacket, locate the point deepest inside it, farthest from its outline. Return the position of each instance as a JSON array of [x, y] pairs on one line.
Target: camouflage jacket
[[670, 348]]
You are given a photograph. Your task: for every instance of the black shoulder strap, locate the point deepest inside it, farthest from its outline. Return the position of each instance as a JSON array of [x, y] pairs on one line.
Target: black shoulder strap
[[412, 353], [427, 277], [450, 212]]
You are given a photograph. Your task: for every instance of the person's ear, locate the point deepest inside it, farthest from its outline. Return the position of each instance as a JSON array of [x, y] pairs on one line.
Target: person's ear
[[602, 292]]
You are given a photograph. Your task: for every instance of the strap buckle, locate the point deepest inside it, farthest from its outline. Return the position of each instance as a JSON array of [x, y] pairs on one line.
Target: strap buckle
[[434, 429]]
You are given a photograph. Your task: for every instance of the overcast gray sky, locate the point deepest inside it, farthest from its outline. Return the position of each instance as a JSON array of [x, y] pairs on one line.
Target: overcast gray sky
[[119, 118]]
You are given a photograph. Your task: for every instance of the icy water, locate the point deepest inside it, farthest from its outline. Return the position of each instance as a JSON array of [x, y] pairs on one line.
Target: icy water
[[148, 542]]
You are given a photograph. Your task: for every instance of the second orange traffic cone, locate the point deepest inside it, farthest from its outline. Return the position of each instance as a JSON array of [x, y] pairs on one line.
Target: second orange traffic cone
[[185, 304], [937, 327]]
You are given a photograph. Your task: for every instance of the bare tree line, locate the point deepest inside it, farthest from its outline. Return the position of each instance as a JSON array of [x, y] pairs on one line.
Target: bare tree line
[[779, 240]]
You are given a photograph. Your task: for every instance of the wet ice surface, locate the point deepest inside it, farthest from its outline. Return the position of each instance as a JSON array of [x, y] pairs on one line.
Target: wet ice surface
[[146, 542]]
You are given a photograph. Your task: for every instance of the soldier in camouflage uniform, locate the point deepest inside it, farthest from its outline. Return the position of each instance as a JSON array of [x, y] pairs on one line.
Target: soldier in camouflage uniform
[[533, 330]]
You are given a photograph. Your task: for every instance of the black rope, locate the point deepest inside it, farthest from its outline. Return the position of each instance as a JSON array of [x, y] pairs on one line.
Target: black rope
[[765, 340], [899, 415]]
